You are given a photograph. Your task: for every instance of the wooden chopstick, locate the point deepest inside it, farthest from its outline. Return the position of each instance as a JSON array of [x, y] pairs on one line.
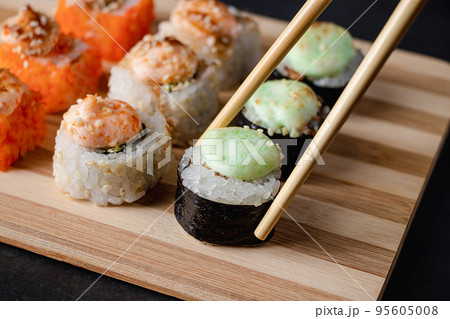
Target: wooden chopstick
[[396, 27], [279, 49]]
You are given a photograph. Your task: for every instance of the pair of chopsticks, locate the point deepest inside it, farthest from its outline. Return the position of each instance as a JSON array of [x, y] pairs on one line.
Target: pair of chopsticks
[[391, 34]]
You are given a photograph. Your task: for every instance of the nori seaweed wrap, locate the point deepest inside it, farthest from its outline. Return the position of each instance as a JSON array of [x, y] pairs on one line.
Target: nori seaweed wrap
[[217, 223]]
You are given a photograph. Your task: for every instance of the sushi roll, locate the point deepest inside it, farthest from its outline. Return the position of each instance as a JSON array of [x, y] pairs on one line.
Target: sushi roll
[[219, 34], [22, 126], [166, 75], [125, 21], [107, 152], [57, 66], [226, 184], [325, 57], [289, 112]]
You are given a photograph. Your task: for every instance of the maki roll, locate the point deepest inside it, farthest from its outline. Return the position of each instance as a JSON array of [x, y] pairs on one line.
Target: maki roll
[[325, 57], [22, 126], [125, 21], [289, 112], [219, 34], [226, 184], [57, 66], [166, 75], [107, 152]]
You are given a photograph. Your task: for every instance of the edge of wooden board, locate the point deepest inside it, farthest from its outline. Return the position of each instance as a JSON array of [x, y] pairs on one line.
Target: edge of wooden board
[[413, 214]]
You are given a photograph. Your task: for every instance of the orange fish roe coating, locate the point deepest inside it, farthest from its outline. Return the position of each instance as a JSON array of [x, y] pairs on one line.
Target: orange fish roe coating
[[21, 131], [59, 80], [125, 21]]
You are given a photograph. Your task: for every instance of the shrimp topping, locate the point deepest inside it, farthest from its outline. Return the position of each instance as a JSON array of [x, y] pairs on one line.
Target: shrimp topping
[[165, 61], [31, 32], [206, 20], [101, 123], [11, 91]]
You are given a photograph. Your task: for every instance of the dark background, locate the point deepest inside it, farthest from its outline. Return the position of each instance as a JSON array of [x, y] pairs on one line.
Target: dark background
[[422, 271]]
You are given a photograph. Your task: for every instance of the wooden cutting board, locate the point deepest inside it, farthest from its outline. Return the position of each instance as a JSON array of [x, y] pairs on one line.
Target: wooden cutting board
[[358, 207]]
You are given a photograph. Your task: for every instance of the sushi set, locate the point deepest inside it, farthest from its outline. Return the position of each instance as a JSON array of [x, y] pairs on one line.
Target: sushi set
[[78, 186]]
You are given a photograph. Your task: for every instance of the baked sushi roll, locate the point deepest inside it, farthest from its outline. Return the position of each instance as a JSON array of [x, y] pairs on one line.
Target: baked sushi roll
[[325, 58], [218, 34], [107, 152], [59, 67], [289, 112], [166, 75], [226, 184], [125, 21], [22, 126]]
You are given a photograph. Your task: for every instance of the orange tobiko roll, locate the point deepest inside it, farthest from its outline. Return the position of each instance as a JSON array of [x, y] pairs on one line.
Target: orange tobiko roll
[[22, 126], [60, 67], [123, 23]]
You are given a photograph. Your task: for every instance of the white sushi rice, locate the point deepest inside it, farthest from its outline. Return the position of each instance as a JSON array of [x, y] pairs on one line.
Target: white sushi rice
[[244, 52], [115, 178], [191, 105], [207, 184]]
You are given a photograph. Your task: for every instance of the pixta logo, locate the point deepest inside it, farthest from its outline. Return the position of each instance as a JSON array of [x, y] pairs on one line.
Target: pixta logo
[[148, 150], [218, 149]]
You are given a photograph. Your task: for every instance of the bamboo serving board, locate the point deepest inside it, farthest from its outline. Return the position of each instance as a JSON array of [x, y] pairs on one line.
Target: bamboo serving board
[[357, 207]]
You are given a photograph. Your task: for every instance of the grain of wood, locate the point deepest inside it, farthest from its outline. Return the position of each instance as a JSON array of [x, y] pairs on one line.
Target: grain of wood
[[357, 207]]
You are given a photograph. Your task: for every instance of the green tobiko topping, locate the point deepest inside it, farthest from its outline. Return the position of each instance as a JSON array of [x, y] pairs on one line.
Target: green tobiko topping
[[326, 38], [282, 106], [240, 153]]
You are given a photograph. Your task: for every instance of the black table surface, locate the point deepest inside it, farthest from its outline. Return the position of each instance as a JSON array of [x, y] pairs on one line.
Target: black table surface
[[421, 272]]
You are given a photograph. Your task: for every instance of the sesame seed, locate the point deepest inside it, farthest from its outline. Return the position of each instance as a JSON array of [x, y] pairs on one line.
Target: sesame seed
[[210, 41], [99, 123], [25, 64], [43, 20], [79, 122], [39, 31]]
